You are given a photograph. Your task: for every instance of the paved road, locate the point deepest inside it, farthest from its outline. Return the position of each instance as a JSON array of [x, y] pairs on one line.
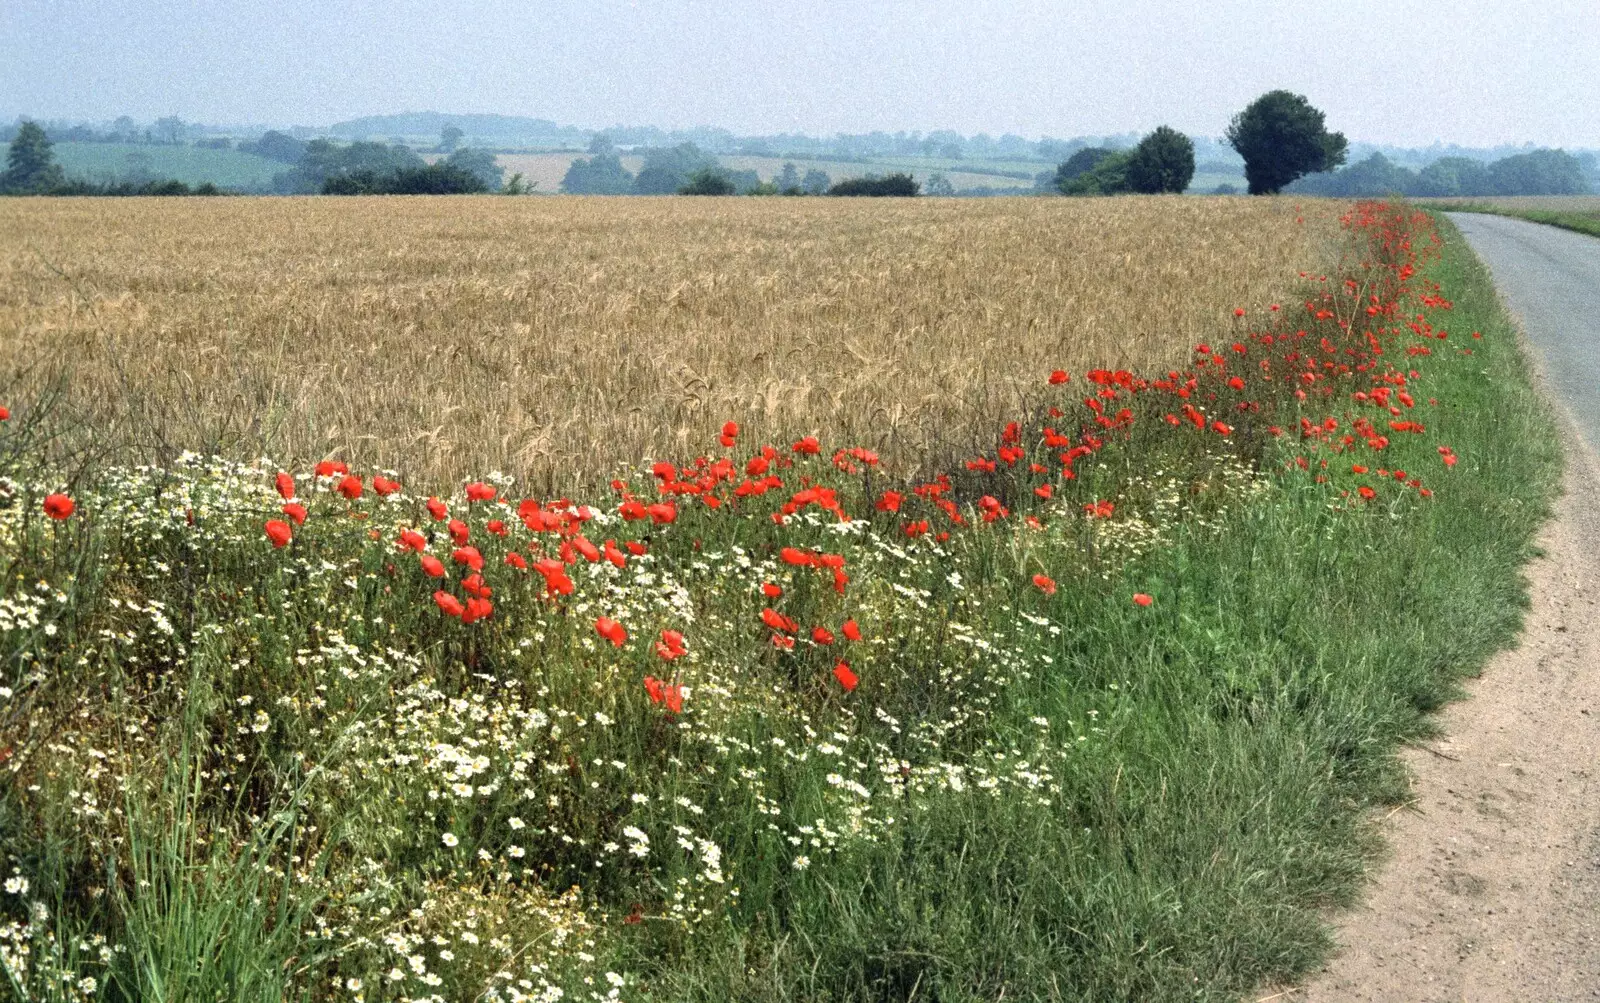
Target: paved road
[[1550, 278]]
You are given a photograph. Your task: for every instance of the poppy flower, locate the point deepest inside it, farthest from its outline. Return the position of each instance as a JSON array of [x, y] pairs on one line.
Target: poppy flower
[[497, 527], [384, 486], [1045, 584], [279, 533], [822, 635], [777, 621], [478, 491], [5, 414], [852, 630], [448, 604], [614, 555], [663, 513], [1058, 377], [468, 556], [889, 501], [653, 686], [783, 642], [770, 590], [1366, 492], [473, 584], [1142, 599], [458, 532], [517, 561], [432, 566], [1044, 491], [296, 512], [330, 468], [59, 506], [846, 678], [285, 485], [437, 509], [590, 552], [637, 549], [477, 609], [808, 446], [611, 630], [410, 539], [671, 645], [797, 557]]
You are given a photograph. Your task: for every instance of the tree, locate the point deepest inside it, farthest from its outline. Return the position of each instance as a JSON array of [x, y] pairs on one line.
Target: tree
[[1108, 176], [449, 138], [816, 182], [1079, 164], [1449, 176], [939, 186], [30, 166], [275, 145], [1542, 172], [707, 181], [787, 178], [667, 170], [602, 174], [1281, 138], [1162, 162], [170, 129], [480, 163]]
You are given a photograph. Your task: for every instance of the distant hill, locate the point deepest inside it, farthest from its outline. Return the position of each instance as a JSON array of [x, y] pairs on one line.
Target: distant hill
[[499, 129]]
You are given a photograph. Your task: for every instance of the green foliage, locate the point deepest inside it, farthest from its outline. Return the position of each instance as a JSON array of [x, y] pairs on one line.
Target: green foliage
[[897, 185], [666, 171], [1541, 172], [707, 181], [481, 164], [1080, 163], [443, 178], [788, 178], [939, 185], [601, 174], [449, 138], [1162, 162], [275, 145], [30, 166], [1108, 176], [816, 182], [517, 185], [325, 160], [1282, 137]]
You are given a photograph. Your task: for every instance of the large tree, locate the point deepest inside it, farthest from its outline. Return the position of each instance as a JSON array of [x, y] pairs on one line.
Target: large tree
[[1281, 138], [30, 166], [1162, 162]]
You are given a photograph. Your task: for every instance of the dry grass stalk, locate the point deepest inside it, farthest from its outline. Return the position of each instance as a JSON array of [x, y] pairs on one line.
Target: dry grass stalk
[[557, 338]]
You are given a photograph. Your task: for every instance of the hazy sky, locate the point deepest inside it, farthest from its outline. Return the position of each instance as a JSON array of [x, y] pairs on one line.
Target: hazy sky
[[1475, 72]]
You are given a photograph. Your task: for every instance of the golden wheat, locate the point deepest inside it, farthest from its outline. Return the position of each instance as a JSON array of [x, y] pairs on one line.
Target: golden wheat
[[556, 338]]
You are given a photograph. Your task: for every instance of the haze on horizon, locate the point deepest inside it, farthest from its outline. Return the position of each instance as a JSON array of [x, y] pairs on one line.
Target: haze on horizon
[[1471, 72]]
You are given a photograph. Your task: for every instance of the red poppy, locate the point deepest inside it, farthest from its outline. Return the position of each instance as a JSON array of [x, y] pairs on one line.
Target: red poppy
[[458, 532], [1142, 599], [329, 468], [611, 630], [432, 566], [448, 604], [384, 486], [1059, 377], [846, 678], [890, 501], [1045, 584], [478, 491], [770, 590], [477, 609], [637, 549], [808, 446], [1366, 492], [614, 555], [296, 512], [5, 414], [468, 556], [517, 561], [797, 557], [1044, 491], [671, 645], [285, 485], [59, 506], [410, 539], [777, 621], [852, 630], [822, 635], [497, 527], [473, 584], [279, 533], [663, 513], [437, 509]]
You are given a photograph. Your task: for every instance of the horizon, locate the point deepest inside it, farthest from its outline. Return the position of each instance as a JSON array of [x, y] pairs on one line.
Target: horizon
[[982, 66]]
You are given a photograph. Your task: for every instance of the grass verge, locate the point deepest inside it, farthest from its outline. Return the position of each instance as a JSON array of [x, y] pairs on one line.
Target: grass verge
[[1582, 222], [1099, 715]]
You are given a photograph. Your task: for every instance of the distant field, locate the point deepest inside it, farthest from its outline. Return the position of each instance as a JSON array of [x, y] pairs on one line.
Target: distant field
[[1544, 203], [117, 161], [558, 337], [549, 168]]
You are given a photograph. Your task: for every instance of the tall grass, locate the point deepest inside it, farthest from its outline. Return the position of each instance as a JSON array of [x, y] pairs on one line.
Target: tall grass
[[1027, 783]]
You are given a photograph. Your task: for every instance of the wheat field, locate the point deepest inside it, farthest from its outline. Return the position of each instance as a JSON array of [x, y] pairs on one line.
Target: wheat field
[[555, 339]]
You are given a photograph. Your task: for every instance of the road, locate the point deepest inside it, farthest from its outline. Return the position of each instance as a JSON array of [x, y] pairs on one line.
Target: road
[[1491, 890]]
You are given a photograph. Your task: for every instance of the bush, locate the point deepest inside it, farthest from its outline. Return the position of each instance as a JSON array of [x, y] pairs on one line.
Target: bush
[[1077, 165], [707, 181], [1109, 176], [1162, 162], [442, 178], [897, 185]]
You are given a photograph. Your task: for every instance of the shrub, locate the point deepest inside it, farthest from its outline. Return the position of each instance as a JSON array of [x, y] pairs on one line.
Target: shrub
[[707, 181], [897, 185]]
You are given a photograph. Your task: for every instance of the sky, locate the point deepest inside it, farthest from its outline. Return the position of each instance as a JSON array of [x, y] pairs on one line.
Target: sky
[[1472, 72]]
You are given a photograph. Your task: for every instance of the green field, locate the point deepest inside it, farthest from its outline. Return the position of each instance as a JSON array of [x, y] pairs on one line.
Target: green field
[[107, 162]]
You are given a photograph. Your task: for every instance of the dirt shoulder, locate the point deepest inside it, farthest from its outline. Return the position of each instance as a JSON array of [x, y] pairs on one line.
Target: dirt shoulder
[[1493, 883]]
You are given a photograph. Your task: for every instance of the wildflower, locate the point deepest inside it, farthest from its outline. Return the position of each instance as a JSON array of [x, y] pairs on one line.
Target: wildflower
[[279, 533], [478, 491], [285, 485], [450, 839], [611, 630], [350, 487], [1045, 584], [432, 566], [330, 468], [458, 532], [1058, 377], [1366, 492], [671, 645], [1142, 599], [517, 561], [437, 509], [808, 446], [852, 630], [296, 512], [889, 501], [468, 556], [59, 506], [796, 557], [410, 539], [846, 678], [384, 486], [770, 590], [777, 621], [448, 604], [730, 435], [822, 635], [5, 414], [477, 608]]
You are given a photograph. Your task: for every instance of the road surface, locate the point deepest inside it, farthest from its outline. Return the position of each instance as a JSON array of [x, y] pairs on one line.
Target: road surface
[[1491, 891]]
